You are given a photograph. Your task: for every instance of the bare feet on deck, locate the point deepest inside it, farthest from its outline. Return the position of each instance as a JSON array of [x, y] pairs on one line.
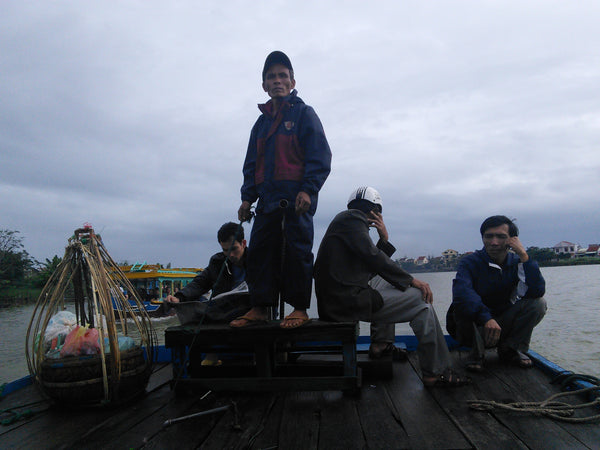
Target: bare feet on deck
[[255, 316], [296, 319]]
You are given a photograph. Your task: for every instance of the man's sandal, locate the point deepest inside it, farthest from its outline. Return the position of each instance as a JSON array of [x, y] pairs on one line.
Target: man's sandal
[[378, 352], [516, 358], [474, 365]]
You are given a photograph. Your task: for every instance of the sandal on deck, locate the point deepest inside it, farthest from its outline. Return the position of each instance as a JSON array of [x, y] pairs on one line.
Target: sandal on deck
[[447, 379], [246, 321], [398, 354], [516, 358]]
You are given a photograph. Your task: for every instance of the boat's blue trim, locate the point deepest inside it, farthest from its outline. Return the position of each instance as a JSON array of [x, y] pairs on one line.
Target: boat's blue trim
[[554, 369], [148, 306], [163, 354], [13, 386]]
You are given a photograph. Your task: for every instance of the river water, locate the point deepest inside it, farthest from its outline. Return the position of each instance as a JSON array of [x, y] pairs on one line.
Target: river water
[[568, 335]]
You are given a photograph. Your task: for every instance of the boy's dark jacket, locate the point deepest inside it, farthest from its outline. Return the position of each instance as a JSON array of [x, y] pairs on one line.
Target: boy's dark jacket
[[205, 280]]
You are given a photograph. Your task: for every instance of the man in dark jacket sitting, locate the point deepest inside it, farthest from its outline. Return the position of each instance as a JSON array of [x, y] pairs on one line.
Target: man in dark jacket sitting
[[497, 296], [226, 271], [357, 280]]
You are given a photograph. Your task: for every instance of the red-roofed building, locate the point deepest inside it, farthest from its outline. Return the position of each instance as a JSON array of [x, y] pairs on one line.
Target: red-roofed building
[[593, 250], [421, 260]]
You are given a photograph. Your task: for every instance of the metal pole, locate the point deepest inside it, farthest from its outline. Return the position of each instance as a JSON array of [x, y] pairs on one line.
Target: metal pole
[[169, 422], [283, 204]]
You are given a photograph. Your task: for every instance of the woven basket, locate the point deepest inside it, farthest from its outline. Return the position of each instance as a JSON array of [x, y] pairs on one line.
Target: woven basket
[[97, 284], [78, 380]]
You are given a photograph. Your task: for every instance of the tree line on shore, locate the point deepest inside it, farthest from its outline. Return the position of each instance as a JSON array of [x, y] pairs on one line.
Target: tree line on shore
[[546, 257], [21, 276]]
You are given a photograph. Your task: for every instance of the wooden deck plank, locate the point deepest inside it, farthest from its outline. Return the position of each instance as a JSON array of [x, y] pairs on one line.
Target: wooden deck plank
[[535, 432], [477, 427], [538, 388], [54, 422], [53, 428], [127, 427], [242, 421], [253, 427], [340, 425], [270, 383], [187, 434], [28, 398], [161, 374], [136, 425], [267, 437], [300, 421], [379, 426], [425, 423]]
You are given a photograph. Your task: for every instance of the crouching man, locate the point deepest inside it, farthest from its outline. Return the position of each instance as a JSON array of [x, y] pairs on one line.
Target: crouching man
[[356, 280], [497, 297]]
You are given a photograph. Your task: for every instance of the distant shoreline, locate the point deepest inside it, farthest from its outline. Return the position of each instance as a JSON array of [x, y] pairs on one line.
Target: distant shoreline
[[569, 262], [14, 299]]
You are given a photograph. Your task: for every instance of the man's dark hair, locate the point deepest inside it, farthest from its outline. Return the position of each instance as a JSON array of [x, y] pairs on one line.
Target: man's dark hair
[[230, 230], [364, 205], [496, 221]]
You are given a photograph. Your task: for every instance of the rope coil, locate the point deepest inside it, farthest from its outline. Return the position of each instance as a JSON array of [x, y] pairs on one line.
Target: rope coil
[[549, 407]]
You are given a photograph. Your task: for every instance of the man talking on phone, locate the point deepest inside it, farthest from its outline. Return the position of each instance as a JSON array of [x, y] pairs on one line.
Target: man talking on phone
[[497, 297], [355, 279]]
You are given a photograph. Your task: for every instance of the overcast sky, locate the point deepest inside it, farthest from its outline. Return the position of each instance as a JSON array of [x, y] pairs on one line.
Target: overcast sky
[[135, 117]]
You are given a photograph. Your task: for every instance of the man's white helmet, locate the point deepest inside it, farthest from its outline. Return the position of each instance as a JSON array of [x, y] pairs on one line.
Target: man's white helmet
[[366, 193]]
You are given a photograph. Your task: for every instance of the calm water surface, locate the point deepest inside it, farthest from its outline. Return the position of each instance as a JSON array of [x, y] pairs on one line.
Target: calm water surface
[[568, 335]]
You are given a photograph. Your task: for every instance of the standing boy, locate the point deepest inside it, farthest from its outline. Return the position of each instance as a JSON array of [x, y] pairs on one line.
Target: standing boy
[[287, 163]]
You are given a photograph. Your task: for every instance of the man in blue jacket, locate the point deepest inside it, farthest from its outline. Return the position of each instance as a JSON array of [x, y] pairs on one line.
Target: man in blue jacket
[[497, 296], [287, 163]]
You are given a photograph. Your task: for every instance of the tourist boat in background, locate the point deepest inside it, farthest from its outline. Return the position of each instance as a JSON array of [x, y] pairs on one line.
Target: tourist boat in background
[[153, 283]]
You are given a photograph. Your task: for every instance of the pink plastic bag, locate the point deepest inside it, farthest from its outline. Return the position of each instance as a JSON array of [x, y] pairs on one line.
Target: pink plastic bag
[[81, 341]]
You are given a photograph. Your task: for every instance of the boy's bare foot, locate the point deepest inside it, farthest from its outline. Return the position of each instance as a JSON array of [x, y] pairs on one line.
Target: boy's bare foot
[[296, 319]]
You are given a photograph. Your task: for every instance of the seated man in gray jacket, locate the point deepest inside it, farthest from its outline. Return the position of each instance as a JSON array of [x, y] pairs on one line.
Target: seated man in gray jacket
[[356, 280]]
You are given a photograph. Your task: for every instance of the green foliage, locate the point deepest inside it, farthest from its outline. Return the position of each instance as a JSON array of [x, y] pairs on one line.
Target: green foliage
[[10, 241], [541, 255], [46, 271], [15, 262], [19, 292]]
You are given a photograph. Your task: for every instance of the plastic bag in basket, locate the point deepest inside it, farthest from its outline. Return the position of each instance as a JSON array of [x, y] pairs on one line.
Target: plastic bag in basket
[[81, 341]]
